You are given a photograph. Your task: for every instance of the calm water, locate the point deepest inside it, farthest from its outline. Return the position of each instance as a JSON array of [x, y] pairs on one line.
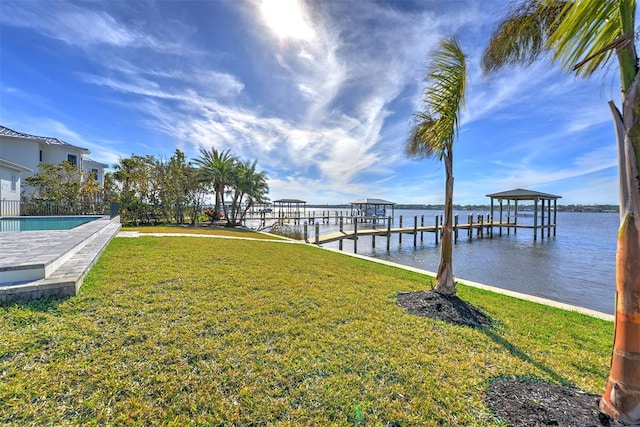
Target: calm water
[[575, 267], [43, 223]]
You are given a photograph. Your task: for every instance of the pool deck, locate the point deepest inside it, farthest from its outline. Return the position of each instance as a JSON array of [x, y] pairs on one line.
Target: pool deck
[[41, 264]]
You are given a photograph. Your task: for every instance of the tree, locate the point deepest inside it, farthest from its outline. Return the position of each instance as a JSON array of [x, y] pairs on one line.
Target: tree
[[583, 36], [135, 176], [434, 133], [249, 187], [217, 168]]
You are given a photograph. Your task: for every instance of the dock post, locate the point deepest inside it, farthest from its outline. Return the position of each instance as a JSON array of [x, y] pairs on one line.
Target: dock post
[[341, 224], [317, 227], [355, 237], [455, 228], [470, 218], [306, 232], [415, 231], [490, 220], [400, 233], [388, 234], [549, 218], [555, 218], [373, 241], [535, 220], [437, 231], [421, 226], [542, 220], [481, 228]]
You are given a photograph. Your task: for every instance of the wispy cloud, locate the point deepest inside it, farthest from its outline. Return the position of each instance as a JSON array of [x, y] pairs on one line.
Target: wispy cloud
[[323, 99]]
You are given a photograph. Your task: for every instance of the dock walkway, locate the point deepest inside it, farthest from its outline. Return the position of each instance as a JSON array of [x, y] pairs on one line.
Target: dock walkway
[[482, 227]]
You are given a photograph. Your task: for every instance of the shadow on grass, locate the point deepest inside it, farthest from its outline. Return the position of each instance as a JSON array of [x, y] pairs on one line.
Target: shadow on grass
[[45, 305], [516, 352]]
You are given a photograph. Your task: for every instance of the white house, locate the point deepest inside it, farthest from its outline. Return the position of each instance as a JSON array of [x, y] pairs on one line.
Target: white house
[[31, 150], [10, 182]]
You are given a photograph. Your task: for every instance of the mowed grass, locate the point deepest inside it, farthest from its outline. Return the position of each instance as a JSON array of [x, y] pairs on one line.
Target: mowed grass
[[212, 231], [186, 331]]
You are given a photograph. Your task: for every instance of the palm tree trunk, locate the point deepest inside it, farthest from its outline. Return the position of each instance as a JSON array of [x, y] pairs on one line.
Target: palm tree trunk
[[621, 399], [444, 280], [221, 192]]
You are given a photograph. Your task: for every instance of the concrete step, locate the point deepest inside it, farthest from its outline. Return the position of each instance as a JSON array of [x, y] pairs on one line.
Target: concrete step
[[70, 269]]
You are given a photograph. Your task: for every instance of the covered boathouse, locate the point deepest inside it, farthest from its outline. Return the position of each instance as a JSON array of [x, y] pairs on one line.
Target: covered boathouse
[[512, 217], [290, 208], [372, 209]]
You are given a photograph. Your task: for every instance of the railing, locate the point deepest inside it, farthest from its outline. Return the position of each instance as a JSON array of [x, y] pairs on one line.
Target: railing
[[54, 207], [9, 208]]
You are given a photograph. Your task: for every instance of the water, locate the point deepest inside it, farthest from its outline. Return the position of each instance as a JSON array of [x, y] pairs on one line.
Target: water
[[576, 267], [43, 223]]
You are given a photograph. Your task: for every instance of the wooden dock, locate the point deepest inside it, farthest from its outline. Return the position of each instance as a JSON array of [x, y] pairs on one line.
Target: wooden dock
[[480, 228]]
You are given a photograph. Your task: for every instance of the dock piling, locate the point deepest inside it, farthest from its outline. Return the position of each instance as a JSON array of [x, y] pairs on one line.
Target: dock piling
[[355, 237], [455, 228]]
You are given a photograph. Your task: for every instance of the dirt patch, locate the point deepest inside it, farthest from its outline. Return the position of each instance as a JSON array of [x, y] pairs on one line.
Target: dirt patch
[[524, 403], [518, 402], [444, 307]]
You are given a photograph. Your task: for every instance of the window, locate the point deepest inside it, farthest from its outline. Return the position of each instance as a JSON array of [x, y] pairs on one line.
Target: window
[[40, 156], [14, 183], [94, 174], [73, 159]]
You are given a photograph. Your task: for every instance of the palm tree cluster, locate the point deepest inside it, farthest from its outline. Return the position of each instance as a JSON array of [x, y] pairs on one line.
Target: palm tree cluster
[[152, 190], [226, 174]]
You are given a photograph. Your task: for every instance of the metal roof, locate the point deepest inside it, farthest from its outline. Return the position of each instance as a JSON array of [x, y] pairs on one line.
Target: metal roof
[[372, 202], [5, 131], [94, 162], [521, 194], [289, 201]]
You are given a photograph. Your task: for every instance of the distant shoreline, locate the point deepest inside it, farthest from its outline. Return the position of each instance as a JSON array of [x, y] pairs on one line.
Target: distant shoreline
[[475, 208]]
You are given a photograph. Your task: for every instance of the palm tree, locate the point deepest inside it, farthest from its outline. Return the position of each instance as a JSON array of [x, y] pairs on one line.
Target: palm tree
[[583, 36], [240, 185], [249, 187], [433, 135], [217, 168]]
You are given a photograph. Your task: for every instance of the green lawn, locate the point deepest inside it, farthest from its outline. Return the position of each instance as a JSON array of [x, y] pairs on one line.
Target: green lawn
[[185, 331], [213, 231]]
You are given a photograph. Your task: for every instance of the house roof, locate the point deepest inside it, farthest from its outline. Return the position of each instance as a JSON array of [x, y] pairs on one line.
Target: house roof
[[88, 160], [10, 165], [5, 131], [521, 194], [372, 202]]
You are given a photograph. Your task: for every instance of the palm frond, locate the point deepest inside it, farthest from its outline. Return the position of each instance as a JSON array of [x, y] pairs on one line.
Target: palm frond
[[520, 38], [590, 31], [436, 126]]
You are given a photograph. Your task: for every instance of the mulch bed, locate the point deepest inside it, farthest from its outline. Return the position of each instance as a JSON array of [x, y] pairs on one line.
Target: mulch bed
[[449, 308], [519, 402]]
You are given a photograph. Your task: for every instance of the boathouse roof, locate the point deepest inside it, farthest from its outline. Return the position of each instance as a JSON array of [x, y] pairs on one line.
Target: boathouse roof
[[289, 201], [372, 202], [521, 194]]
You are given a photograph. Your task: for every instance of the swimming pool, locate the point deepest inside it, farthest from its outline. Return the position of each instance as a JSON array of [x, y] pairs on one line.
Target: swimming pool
[[43, 223]]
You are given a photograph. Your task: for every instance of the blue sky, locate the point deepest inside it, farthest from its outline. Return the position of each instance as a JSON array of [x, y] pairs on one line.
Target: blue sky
[[321, 93]]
